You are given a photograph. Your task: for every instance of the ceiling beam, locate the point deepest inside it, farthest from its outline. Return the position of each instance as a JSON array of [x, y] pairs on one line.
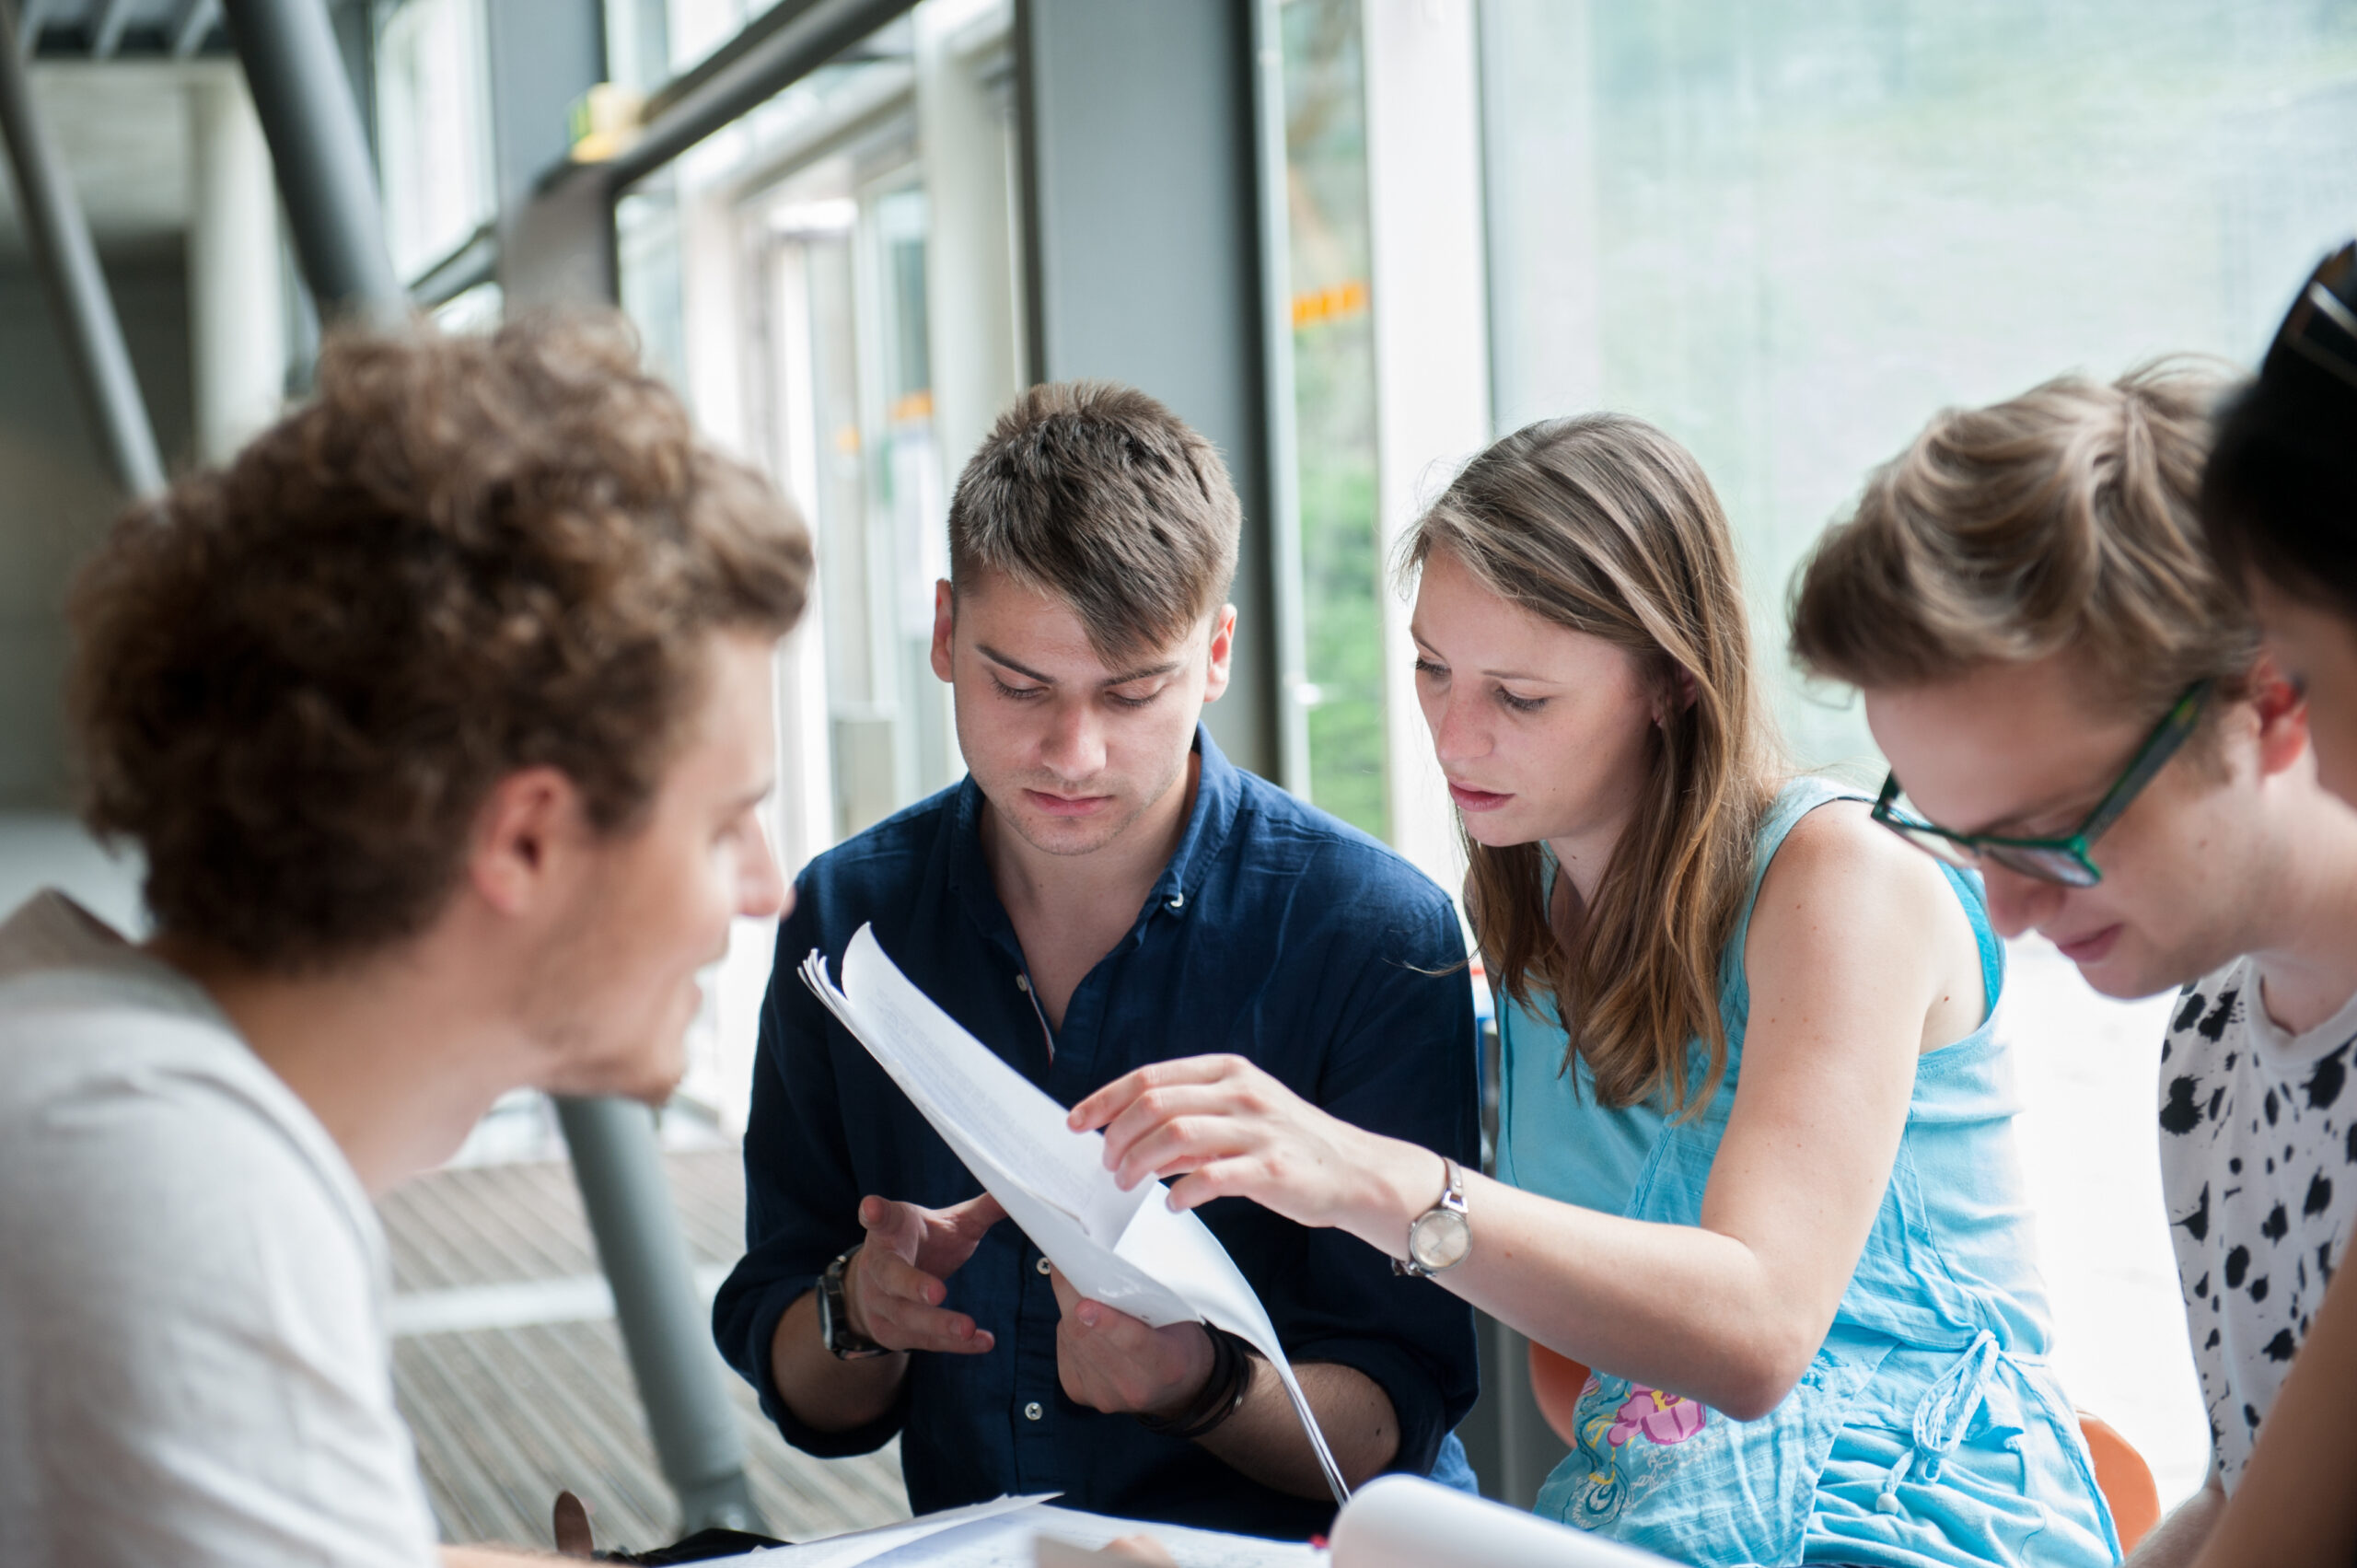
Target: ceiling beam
[[192, 24], [106, 31]]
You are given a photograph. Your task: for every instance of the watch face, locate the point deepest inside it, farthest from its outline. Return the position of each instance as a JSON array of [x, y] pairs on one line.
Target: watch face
[[1440, 1239]]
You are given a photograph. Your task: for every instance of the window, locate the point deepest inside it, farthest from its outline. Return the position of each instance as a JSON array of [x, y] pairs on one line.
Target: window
[[849, 400], [435, 129], [836, 298], [1788, 234], [1334, 391]]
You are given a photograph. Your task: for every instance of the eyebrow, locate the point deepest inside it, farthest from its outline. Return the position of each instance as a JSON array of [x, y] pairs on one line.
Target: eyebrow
[[2011, 823], [1122, 680], [1493, 674]]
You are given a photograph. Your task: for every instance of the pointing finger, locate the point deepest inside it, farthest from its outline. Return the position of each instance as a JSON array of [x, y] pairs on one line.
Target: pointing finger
[[1114, 1097]]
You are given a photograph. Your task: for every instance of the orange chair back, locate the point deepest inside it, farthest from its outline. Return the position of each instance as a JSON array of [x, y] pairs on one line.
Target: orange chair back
[[1556, 1381], [2126, 1480], [2121, 1471]]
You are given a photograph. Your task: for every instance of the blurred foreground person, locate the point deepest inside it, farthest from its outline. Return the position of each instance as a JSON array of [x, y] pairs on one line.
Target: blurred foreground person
[[2279, 504], [2074, 698], [1755, 1162], [440, 716]]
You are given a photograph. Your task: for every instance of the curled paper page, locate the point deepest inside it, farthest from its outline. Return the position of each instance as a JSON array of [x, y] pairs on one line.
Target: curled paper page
[[1398, 1521], [1126, 1250]]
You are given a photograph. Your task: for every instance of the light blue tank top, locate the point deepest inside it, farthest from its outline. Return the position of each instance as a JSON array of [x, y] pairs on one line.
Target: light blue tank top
[[1929, 1430]]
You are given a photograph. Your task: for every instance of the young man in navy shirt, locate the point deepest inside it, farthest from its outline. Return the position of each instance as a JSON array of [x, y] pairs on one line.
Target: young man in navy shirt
[[1103, 891]]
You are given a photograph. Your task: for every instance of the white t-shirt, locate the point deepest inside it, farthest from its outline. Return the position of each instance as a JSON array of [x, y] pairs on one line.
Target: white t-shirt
[[193, 1365], [2258, 1141]]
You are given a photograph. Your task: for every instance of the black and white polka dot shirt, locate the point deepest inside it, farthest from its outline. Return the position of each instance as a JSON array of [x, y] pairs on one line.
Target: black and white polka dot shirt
[[2258, 1163]]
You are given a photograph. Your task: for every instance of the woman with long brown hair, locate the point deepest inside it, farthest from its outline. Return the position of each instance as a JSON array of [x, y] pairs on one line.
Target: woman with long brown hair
[[1755, 1163]]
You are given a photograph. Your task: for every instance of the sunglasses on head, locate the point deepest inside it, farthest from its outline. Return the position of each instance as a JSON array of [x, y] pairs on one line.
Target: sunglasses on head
[[2321, 326]]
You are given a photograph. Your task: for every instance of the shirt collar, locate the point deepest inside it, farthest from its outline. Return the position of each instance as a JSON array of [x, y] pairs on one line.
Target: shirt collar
[[1219, 791]]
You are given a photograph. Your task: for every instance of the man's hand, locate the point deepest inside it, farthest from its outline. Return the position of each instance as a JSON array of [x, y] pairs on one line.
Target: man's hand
[[1111, 1362], [892, 1294], [894, 1288]]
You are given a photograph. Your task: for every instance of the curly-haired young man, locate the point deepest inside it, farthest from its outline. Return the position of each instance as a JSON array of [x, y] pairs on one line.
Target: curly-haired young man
[[440, 716], [2074, 697]]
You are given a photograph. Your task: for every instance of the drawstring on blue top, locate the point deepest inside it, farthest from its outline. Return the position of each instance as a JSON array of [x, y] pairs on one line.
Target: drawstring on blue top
[[1942, 1416]]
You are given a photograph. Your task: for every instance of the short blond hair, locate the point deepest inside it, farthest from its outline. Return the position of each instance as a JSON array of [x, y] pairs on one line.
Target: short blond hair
[[2066, 518]]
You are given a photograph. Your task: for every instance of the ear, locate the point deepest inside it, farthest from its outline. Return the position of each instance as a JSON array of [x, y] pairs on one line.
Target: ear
[[1222, 651], [526, 835], [944, 626], [2282, 712], [1682, 684]]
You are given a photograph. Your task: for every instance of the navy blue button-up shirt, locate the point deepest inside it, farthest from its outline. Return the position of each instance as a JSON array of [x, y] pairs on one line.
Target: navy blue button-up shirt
[[1277, 933]]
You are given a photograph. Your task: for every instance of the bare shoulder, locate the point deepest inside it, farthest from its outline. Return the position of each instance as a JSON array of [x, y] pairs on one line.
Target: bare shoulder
[[1838, 876]]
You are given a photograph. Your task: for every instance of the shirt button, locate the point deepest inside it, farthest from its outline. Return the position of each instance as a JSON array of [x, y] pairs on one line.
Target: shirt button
[[1023, 983], [1177, 902], [1044, 1265], [1032, 1410]]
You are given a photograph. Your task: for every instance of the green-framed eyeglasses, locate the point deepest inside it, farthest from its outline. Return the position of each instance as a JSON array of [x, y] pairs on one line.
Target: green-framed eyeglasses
[[2063, 860]]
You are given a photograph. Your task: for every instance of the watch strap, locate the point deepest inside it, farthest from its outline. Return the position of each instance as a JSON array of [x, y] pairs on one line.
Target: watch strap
[[834, 1313]]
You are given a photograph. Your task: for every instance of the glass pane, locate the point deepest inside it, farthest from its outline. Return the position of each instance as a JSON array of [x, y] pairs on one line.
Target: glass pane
[[646, 241], [1333, 344], [778, 274], [914, 505], [1789, 234], [433, 129]]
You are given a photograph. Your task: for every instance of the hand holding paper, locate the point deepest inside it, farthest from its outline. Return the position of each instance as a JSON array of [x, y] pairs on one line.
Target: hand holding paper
[[1110, 1361], [1128, 1249]]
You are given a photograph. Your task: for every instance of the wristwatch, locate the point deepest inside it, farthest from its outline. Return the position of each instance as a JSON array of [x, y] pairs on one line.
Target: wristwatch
[[1442, 1237], [834, 1317]]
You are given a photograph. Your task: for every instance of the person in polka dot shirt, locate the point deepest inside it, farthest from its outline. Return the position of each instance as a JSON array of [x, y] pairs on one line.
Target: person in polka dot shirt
[[2279, 508]]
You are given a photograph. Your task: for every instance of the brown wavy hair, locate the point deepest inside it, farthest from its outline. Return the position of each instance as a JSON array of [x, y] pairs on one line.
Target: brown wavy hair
[[1605, 524], [2066, 518], [1100, 495], [296, 678]]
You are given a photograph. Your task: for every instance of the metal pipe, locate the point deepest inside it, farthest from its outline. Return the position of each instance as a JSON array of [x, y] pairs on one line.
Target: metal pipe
[[796, 37], [78, 289], [664, 1328], [474, 264], [326, 178]]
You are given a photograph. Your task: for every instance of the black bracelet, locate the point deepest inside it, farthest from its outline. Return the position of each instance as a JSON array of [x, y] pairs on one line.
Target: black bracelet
[[1221, 1396]]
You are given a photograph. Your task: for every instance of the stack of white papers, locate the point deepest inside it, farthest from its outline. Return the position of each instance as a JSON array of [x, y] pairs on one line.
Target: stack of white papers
[[1394, 1522], [1126, 1250], [1007, 1533]]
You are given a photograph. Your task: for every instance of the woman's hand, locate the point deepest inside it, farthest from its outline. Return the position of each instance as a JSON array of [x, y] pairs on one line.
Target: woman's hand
[[1228, 1130]]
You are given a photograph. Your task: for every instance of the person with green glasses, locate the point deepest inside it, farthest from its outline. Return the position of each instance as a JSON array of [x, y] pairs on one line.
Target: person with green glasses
[[2075, 701]]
